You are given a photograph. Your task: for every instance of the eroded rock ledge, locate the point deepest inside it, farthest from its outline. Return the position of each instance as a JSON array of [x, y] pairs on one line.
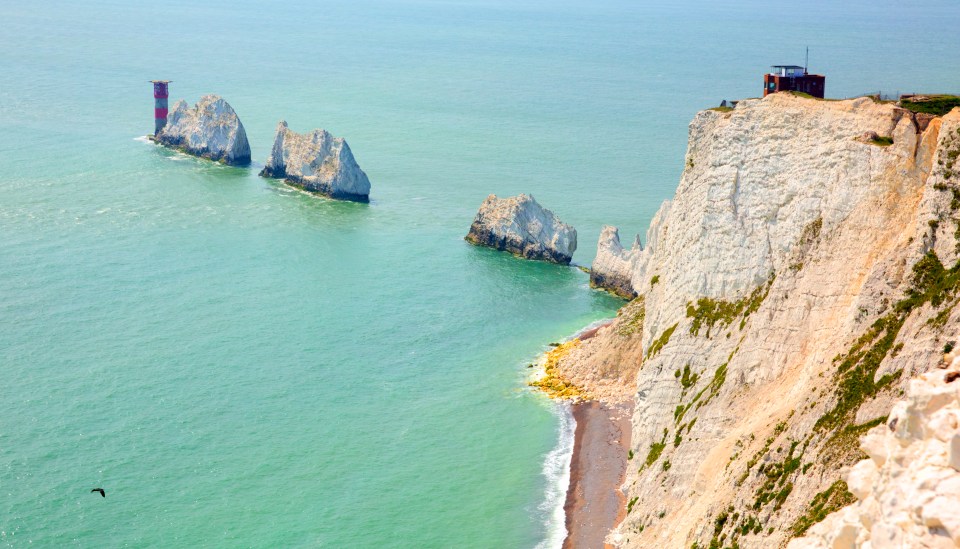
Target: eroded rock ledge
[[211, 129], [521, 226], [317, 162]]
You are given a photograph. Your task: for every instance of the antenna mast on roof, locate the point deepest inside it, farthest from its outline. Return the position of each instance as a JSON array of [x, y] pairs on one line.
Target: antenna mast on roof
[[806, 62]]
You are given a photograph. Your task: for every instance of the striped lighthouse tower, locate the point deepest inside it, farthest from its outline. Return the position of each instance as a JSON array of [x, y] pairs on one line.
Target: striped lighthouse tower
[[160, 95]]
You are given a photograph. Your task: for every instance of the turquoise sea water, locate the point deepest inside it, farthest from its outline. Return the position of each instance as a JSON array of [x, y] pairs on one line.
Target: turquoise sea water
[[240, 364]]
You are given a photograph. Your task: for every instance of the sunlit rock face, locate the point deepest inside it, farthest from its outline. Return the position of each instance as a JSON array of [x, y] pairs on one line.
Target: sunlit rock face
[[908, 491], [317, 162], [787, 294], [521, 226], [210, 129]]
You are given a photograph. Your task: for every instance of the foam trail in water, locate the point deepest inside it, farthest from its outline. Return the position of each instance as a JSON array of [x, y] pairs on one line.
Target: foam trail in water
[[556, 469]]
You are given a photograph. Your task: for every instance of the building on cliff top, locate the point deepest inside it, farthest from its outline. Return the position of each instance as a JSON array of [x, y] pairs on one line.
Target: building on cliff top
[[793, 78]]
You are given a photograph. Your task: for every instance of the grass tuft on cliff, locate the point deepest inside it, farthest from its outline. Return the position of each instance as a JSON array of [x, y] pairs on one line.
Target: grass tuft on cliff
[[655, 450], [937, 105], [661, 341]]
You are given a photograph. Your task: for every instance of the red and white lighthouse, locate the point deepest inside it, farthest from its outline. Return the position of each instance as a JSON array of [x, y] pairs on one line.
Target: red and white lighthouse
[[160, 94]]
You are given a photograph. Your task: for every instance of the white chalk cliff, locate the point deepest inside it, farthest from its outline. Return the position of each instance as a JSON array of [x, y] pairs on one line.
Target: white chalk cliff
[[800, 277], [520, 225], [210, 129], [908, 490], [317, 162]]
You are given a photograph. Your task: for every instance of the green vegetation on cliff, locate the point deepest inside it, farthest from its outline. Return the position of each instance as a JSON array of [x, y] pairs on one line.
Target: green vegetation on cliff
[[835, 432], [946, 164], [655, 450], [937, 105], [824, 503], [661, 341], [711, 312], [856, 373], [776, 487], [631, 317], [711, 391]]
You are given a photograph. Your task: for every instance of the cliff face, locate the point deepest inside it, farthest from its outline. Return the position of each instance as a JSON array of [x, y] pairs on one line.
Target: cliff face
[[520, 225], [211, 129], [317, 162], [799, 278], [908, 490]]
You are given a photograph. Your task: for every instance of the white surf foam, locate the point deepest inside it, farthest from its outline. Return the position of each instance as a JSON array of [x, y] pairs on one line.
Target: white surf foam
[[556, 469], [592, 325]]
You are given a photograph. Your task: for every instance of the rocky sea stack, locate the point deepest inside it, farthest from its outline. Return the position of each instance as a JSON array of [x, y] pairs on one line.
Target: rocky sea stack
[[211, 129], [612, 268], [521, 226], [317, 162]]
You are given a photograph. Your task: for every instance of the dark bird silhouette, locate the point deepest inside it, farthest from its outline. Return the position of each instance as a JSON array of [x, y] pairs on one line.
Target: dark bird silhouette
[[102, 493]]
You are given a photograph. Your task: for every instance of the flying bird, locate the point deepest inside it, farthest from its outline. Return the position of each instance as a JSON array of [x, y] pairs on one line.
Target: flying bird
[[102, 493]]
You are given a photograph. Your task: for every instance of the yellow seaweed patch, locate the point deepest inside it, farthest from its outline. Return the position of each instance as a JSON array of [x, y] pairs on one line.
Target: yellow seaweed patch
[[553, 383]]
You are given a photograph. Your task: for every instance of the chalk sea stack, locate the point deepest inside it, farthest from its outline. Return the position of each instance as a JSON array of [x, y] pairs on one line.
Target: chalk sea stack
[[317, 162], [211, 129], [613, 265], [521, 226]]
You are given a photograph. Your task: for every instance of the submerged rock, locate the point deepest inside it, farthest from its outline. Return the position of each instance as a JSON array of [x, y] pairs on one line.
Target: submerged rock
[[317, 162], [612, 268], [211, 129], [521, 226]]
